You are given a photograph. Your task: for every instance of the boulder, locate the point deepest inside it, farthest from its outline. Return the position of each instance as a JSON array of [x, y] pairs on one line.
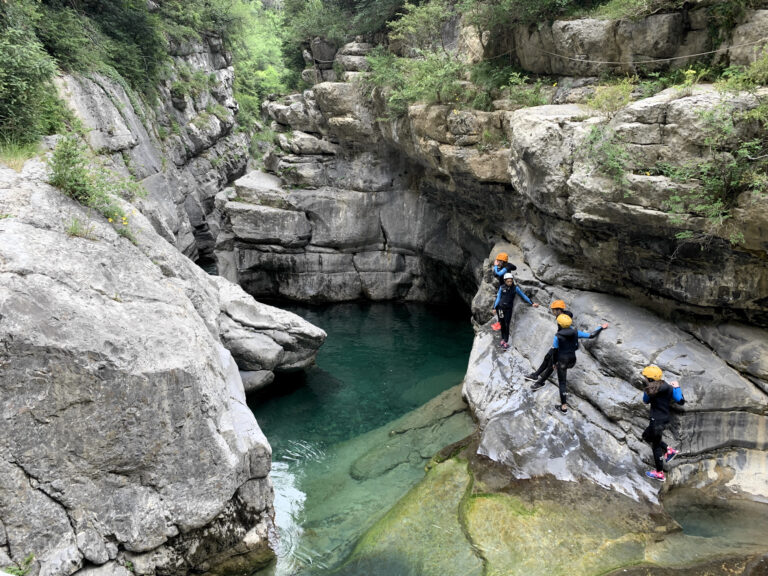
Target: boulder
[[520, 430], [114, 373]]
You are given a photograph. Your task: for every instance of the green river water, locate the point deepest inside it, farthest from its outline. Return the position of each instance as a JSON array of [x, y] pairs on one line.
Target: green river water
[[342, 452]]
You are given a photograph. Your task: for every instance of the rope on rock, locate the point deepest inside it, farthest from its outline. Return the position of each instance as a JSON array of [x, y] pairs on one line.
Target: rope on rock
[[763, 40], [653, 60]]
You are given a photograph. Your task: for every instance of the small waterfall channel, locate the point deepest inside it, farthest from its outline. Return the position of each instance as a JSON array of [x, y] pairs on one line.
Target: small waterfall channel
[[352, 435]]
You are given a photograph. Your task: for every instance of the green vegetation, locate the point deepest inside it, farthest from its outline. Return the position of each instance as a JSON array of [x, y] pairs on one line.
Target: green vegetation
[[127, 41], [524, 93], [28, 103], [606, 149], [14, 155], [258, 59], [611, 98], [23, 568], [80, 229], [732, 167], [94, 187]]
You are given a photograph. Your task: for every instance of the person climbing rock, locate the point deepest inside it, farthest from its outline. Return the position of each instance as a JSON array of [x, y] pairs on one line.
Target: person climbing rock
[[502, 266], [505, 298], [660, 396], [564, 347], [557, 307]]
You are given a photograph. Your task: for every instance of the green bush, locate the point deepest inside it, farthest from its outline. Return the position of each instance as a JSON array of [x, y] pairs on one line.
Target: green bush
[[609, 154], [94, 187], [434, 77], [730, 169], [523, 93], [259, 67], [611, 98], [27, 97]]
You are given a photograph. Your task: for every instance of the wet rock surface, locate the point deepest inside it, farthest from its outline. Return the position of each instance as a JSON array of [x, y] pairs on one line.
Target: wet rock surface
[[468, 516]]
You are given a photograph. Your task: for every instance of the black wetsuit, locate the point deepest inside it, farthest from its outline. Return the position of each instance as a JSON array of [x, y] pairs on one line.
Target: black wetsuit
[[505, 299], [548, 362], [660, 405], [563, 351]]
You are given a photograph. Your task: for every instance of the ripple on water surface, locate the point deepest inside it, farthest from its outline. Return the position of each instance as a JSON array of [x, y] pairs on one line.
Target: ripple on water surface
[[345, 447]]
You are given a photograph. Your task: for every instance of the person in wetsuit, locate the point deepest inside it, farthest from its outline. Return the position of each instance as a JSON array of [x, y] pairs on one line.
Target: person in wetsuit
[[505, 298], [565, 344], [557, 307], [502, 266], [660, 396]]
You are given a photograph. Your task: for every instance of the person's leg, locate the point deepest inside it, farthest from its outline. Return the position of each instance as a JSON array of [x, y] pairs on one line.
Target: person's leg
[[505, 320], [546, 363], [659, 448], [652, 435], [562, 375], [543, 377]]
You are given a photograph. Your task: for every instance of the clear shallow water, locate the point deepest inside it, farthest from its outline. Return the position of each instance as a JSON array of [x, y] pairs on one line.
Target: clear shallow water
[[341, 457]]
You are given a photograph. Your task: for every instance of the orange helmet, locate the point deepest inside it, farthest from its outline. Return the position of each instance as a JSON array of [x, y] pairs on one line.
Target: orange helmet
[[557, 304], [502, 256]]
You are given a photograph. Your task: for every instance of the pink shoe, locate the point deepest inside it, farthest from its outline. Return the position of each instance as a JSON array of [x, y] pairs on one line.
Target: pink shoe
[[671, 453], [656, 475]]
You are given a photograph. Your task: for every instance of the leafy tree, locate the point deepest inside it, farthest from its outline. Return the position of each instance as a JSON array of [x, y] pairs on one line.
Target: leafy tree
[[26, 92]]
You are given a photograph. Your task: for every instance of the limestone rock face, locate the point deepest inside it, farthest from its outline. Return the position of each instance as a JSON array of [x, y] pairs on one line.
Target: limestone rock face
[[182, 152], [590, 47], [524, 175], [349, 244], [126, 428], [600, 437]]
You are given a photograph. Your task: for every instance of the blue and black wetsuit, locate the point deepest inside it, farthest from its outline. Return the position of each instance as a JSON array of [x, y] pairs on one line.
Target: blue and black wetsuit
[[505, 298], [660, 403], [548, 361], [499, 271], [564, 347]]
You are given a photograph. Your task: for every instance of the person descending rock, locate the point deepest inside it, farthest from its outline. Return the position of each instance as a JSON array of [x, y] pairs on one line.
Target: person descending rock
[[505, 298], [502, 266], [557, 307], [660, 396], [564, 346]]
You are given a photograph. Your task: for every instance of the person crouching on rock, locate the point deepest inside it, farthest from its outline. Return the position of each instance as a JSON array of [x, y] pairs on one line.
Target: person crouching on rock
[[505, 298], [502, 266], [557, 307], [660, 396], [564, 347]]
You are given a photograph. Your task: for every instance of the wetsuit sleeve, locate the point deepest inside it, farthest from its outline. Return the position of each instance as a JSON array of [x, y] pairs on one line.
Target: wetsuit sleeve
[[498, 297], [554, 344], [499, 272], [522, 295], [645, 398], [592, 334], [677, 396]]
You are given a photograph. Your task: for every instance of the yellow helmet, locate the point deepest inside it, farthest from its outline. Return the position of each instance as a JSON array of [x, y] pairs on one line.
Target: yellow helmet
[[653, 372], [502, 256], [564, 321]]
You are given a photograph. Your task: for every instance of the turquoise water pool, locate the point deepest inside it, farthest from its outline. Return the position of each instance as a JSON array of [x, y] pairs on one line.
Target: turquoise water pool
[[346, 441]]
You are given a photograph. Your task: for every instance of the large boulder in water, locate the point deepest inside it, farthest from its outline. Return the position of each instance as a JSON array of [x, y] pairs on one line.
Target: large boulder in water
[[126, 433]]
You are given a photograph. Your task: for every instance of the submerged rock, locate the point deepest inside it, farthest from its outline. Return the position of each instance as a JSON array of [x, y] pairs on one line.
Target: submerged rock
[[470, 517]]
